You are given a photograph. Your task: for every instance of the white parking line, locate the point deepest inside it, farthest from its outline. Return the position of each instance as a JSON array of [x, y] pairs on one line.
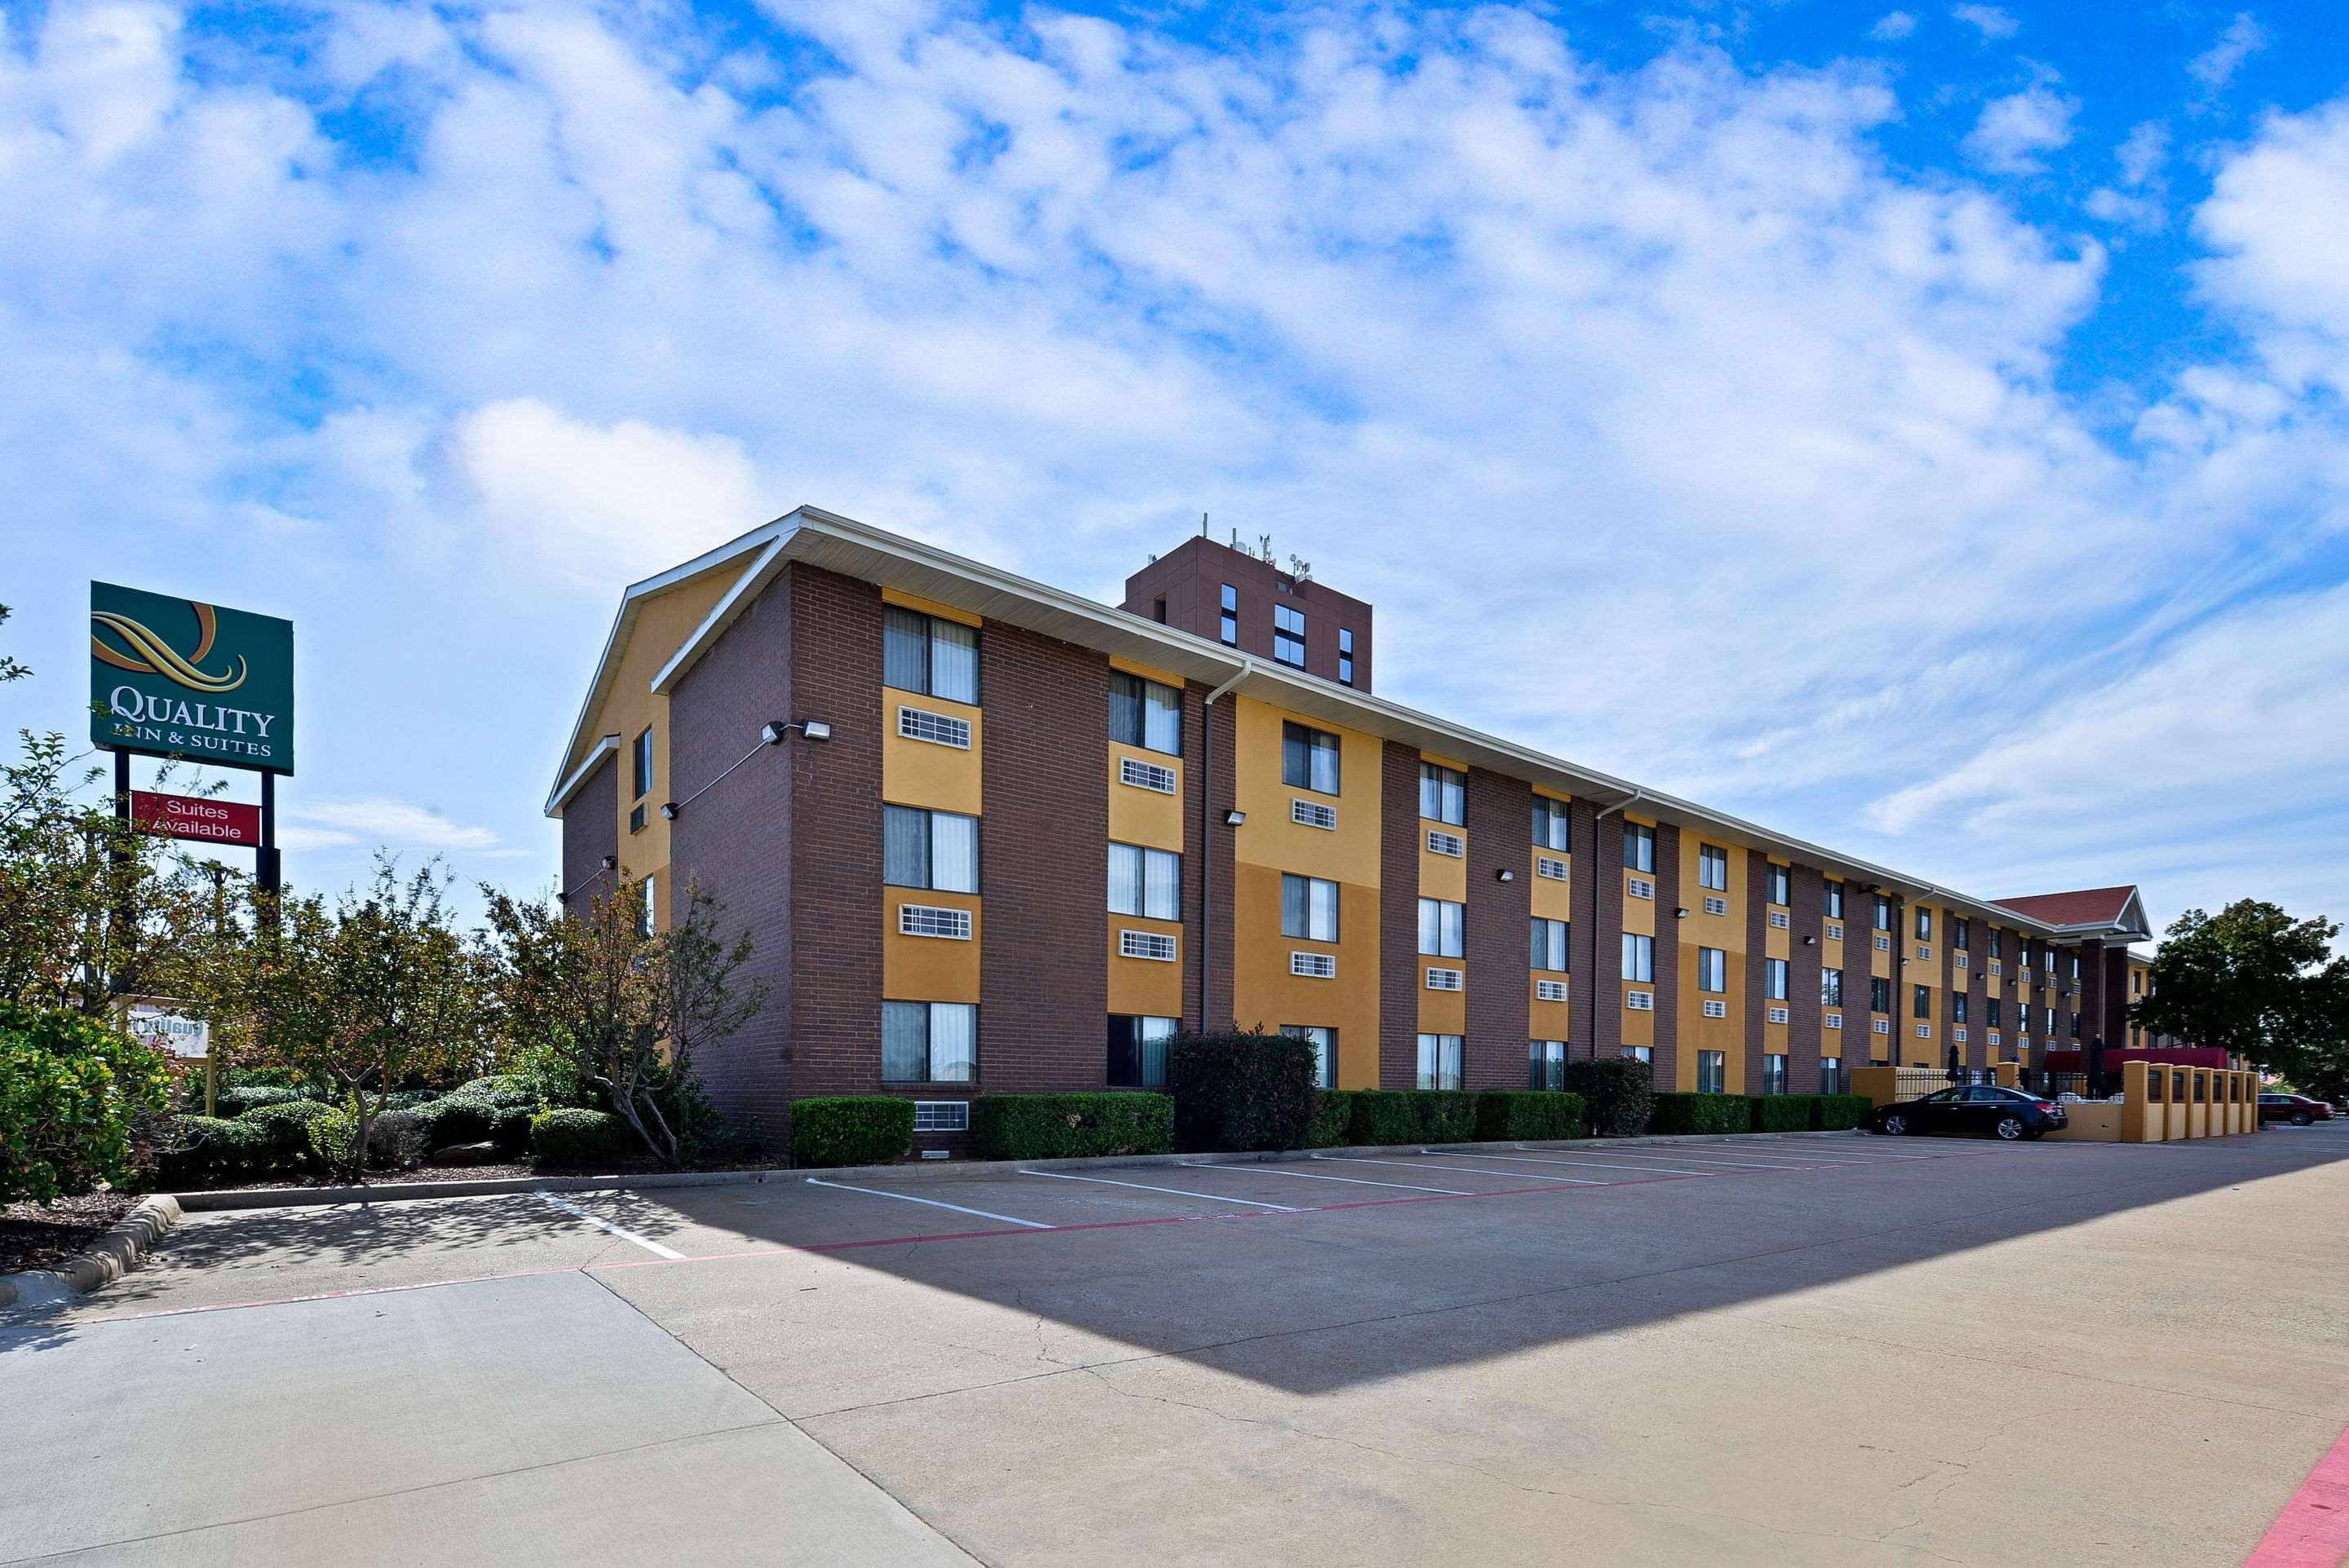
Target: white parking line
[[603, 1224], [1177, 1191], [1317, 1176], [1601, 1164], [1702, 1159], [1420, 1163], [933, 1203]]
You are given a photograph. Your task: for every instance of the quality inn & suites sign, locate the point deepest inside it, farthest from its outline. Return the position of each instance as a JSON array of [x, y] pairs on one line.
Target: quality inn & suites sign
[[179, 678]]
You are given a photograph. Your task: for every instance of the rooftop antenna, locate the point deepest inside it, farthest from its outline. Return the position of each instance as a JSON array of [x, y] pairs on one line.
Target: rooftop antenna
[[1265, 540], [1301, 569], [1203, 525]]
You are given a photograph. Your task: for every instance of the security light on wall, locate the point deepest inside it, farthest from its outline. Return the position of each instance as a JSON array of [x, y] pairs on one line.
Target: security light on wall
[[669, 810], [1234, 819], [1810, 942], [1680, 915], [774, 731], [611, 862], [1505, 874]]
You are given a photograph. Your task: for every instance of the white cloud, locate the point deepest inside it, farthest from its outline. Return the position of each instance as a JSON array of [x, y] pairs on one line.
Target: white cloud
[[380, 819], [2014, 130], [2137, 197], [1893, 26], [1987, 20], [2215, 67], [2274, 220]]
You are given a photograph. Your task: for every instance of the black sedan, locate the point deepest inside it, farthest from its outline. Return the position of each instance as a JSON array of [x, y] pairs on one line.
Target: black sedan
[[2008, 1114]]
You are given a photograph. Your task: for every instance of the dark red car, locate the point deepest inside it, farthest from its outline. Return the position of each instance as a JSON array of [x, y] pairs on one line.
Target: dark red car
[[2296, 1108]]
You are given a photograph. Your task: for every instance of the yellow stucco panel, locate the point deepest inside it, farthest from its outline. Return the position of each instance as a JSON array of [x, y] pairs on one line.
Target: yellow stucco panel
[[1548, 1020], [1146, 988], [1138, 815], [1349, 852], [1444, 1012], [929, 606], [923, 772], [929, 968], [1265, 992], [1552, 897], [1440, 875]]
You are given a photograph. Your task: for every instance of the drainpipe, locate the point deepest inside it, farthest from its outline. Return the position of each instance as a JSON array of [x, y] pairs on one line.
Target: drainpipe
[[1207, 820], [1592, 986]]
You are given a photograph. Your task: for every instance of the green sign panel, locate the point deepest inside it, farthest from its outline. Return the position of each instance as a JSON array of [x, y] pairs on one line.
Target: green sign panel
[[182, 679]]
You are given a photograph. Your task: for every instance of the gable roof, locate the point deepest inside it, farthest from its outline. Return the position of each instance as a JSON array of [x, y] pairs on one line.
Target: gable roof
[[2102, 908]]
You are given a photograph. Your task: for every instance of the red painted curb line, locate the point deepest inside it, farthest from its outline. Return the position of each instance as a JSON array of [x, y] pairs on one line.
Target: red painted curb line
[[2312, 1530]]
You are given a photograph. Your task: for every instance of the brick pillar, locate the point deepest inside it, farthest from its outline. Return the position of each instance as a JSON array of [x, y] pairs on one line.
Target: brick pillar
[[1220, 730], [1399, 959], [1757, 929], [1597, 933], [1977, 999], [1499, 914], [1668, 955], [1803, 965]]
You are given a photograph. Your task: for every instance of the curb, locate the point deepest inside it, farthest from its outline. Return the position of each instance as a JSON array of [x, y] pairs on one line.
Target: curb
[[108, 1259], [910, 1171]]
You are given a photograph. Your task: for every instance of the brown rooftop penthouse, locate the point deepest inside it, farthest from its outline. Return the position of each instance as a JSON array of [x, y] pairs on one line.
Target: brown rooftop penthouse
[[1042, 834]]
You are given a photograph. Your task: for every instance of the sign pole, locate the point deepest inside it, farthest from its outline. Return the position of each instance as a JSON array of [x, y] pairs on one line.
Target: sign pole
[[265, 861]]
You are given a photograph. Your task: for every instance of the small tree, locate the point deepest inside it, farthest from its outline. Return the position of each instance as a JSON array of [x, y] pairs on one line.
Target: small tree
[[368, 994], [2253, 982], [627, 1006]]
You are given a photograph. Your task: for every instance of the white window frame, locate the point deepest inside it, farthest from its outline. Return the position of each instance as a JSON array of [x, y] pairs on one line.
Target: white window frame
[[1154, 946], [1314, 814], [1550, 990], [1445, 979], [1155, 777], [942, 1116], [932, 920], [1313, 965], [932, 728], [1550, 866], [1440, 842]]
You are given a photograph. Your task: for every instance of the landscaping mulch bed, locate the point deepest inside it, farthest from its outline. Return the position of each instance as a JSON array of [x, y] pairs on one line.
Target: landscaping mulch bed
[[43, 1235]]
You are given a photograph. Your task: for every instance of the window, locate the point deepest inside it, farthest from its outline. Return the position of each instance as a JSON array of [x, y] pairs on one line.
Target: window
[[646, 917], [1830, 1074], [1439, 1061], [1229, 631], [1308, 758], [942, 1115], [1147, 883], [1879, 993], [1638, 1053], [1639, 847], [1712, 969], [1545, 1064], [937, 729], [636, 818], [2076, 1026], [929, 1042], [1325, 1050], [1997, 943], [1145, 713], [2075, 966], [1773, 1075], [1834, 902], [1441, 928], [1144, 775], [931, 920], [1551, 825], [1921, 1001], [1550, 944], [1137, 1052], [933, 849], [1712, 1071], [1781, 885], [1961, 933], [1774, 978], [1991, 1014], [1883, 913], [1308, 908], [1712, 868], [1924, 923], [1958, 1007], [2049, 955], [1287, 636], [1638, 956], [641, 767], [1345, 656], [1831, 987], [1158, 946], [1443, 794], [923, 654]]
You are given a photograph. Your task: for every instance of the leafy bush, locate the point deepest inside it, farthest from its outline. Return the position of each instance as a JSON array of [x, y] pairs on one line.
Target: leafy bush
[[204, 1150], [851, 1129], [1241, 1090], [1618, 1091], [1524, 1113], [1385, 1116], [1333, 1118], [495, 1110], [288, 1123], [410, 1098], [76, 1100], [246, 1098], [1070, 1126], [568, 1135], [1779, 1113], [1839, 1112], [1700, 1113], [334, 1138], [1445, 1115], [395, 1142]]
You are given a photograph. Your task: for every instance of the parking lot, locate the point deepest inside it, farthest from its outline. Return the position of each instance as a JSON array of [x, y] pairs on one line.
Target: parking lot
[[1799, 1351]]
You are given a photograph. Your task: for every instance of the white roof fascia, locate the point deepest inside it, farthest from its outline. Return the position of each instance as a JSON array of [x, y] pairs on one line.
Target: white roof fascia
[[606, 747]]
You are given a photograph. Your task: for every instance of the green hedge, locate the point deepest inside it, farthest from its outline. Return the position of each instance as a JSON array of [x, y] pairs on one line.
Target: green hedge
[[570, 1136], [1333, 1118], [1700, 1113], [1779, 1113], [1070, 1126], [851, 1129], [205, 1151], [288, 1124], [1838, 1112], [1241, 1090], [1618, 1091], [1384, 1115], [1445, 1115], [1509, 1114], [494, 1110]]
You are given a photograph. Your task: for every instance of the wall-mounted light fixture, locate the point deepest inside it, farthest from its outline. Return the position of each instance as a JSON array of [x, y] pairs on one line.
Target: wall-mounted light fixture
[[1680, 915], [774, 732], [1505, 874], [1810, 942], [1234, 819]]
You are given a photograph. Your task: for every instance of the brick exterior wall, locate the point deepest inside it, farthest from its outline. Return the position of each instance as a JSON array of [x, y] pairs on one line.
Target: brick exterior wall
[[1190, 578], [1220, 725], [1499, 920], [1598, 933], [1904, 1028], [1757, 934], [1807, 888], [1978, 999], [1043, 864], [1399, 960], [591, 830], [714, 715], [1944, 976], [1668, 956]]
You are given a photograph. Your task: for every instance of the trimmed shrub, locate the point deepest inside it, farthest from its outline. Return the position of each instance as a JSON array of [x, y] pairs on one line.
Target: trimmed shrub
[[1445, 1115], [1618, 1092], [1384, 1116], [1700, 1113], [1839, 1112], [1070, 1126], [1240, 1092], [247, 1098], [79, 1102], [1528, 1113], [206, 1150], [494, 1110], [334, 1139], [395, 1142], [851, 1129], [287, 1122], [570, 1136], [1333, 1118], [1779, 1113], [410, 1098]]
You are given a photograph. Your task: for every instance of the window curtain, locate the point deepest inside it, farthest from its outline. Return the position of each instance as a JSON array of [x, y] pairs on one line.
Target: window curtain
[[1323, 900], [905, 1042], [1124, 879], [904, 649], [954, 661], [905, 847], [1294, 920], [954, 852], [1162, 893], [954, 1042], [1125, 708], [1162, 728]]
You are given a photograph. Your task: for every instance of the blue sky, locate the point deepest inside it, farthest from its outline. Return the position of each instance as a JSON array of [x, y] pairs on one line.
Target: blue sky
[[1918, 426]]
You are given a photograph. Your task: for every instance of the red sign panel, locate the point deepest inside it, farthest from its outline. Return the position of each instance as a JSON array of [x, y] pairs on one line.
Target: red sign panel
[[184, 817]]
